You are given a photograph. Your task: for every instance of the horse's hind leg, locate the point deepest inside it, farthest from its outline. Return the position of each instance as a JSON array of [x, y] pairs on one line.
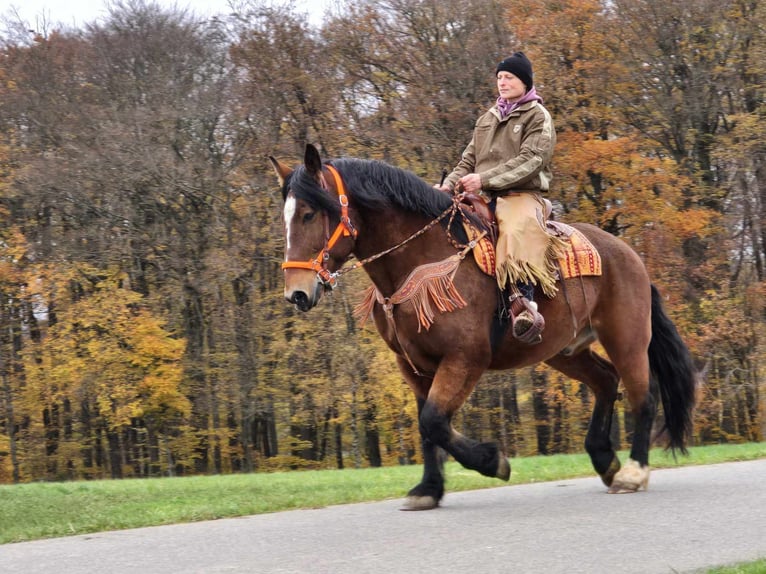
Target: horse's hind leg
[[602, 379], [626, 344]]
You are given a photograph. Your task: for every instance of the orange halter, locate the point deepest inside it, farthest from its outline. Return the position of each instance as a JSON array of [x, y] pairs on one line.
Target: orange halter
[[344, 229]]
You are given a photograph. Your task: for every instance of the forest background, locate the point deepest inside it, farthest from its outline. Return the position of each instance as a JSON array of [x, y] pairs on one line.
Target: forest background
[[142, 326]]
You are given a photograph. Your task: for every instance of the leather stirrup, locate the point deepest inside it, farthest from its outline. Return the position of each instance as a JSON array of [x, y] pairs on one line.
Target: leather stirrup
[[525, 313]]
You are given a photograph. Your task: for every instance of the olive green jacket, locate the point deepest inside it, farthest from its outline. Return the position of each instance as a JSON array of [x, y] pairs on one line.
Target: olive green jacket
[[511, 154]]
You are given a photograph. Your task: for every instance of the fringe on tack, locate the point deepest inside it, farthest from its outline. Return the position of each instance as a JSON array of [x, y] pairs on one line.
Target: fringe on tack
[[442, 293], [428, 290], [363, 309]]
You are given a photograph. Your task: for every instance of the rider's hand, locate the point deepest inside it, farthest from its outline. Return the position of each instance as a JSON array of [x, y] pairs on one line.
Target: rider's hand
[[471, 183]]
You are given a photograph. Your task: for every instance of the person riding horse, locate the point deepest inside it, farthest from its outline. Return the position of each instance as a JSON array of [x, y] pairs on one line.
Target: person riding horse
[[508, 162]]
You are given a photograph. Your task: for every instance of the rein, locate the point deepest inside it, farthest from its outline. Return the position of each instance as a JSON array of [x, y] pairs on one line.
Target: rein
[[450, 210]]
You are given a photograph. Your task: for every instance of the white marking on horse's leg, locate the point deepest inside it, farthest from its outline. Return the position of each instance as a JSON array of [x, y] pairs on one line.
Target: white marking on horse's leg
[[290, 206], [632, 477], [419, 503]]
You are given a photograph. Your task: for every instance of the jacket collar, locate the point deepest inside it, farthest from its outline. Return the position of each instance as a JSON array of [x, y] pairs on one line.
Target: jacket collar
[[516, 112]]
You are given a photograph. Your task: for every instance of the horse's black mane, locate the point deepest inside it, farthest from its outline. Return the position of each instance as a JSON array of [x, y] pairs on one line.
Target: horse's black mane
[[371, 184]]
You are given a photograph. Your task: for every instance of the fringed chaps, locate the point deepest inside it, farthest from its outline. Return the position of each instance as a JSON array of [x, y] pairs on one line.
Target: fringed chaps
[[526, 252]]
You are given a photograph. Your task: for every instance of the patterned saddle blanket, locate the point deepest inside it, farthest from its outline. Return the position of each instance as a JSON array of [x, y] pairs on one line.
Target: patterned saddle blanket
[[578, 259]]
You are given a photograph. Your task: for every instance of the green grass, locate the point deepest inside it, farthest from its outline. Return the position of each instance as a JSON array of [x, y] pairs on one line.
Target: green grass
[[42, 510], [757, 567]]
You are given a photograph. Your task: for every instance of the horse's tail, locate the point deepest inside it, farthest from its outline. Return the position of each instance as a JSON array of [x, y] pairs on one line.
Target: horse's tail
[[673, 370]]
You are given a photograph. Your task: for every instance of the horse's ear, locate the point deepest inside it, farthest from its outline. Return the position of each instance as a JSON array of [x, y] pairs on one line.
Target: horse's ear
[[312, 160], [282, 170]]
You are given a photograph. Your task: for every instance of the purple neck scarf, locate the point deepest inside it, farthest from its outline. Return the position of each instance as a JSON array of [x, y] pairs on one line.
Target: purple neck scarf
[[505, 107]]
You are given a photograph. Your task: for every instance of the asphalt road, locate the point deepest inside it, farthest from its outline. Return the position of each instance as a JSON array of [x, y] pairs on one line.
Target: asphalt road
[[691, 518]]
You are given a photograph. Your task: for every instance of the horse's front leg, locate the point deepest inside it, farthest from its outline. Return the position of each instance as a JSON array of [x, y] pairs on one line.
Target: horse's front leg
[[427, 494], [429, 491], [450, 388]]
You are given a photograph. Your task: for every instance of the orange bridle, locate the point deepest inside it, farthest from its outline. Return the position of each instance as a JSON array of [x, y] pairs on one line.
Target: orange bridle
[[344, 229]]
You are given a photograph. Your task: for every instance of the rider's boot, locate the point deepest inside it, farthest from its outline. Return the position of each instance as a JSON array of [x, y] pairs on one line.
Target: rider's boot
[[528, 322]]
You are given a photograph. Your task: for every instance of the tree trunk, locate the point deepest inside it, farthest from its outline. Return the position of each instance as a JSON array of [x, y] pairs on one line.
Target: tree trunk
[[512, 402], [372, 436], [339, 445], [10, 420], [541, 411], [246, 364]]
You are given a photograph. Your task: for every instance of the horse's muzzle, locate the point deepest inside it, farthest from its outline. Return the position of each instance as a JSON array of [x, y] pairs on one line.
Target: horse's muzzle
[[303, 289]]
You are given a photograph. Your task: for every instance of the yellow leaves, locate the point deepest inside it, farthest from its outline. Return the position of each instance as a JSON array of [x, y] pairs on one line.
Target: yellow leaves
[[617, 179], [107, 348], [692, 222], [580, 153], [13, 250], [151, 344], [745, 137]]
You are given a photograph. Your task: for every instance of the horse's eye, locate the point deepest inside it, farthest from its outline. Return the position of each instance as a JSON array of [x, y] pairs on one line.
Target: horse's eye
[[308, 217]]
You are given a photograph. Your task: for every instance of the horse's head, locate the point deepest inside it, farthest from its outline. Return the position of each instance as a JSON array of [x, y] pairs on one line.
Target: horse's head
[[315, 205]]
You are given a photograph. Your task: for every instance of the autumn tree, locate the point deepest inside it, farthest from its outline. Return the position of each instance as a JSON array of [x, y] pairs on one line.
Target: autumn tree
[[144, 330], [103, 374], [414, 75]]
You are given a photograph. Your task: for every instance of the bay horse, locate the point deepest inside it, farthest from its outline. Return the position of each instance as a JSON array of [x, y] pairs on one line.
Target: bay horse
[[393, 222]]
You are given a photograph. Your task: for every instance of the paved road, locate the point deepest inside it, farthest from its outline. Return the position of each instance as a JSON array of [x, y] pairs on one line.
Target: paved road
[[690, 518]]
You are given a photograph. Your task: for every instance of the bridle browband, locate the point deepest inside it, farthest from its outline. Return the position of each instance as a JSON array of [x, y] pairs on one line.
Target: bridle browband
[[344, 229]]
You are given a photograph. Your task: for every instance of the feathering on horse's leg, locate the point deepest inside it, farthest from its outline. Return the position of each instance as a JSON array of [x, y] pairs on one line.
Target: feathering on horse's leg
[[634, 475]]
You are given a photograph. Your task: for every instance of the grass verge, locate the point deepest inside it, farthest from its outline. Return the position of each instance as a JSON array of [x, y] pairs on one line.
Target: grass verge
[[757, 567], [43, 510]]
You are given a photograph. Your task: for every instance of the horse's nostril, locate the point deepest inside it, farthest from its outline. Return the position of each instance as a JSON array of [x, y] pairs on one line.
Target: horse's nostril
[[299, 296], [301, 300]]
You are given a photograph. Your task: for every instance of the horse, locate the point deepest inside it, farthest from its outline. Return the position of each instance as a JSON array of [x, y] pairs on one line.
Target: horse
[[393, 224]]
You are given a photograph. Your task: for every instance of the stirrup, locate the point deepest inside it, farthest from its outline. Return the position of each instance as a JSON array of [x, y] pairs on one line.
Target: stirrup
[[528, 323]]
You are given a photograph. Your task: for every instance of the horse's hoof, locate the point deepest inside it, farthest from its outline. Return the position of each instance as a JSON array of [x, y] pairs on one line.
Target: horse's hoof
[[420, 503], [608, 477], [503, 469], [631, 478]]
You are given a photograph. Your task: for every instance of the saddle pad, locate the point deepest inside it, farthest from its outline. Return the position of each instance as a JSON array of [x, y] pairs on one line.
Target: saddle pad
[[580, 258]]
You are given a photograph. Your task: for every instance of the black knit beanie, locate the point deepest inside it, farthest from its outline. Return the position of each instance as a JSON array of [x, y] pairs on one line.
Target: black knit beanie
[[518, 65]]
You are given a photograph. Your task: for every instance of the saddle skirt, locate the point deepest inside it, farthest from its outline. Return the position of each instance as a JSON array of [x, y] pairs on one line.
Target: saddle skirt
[[578, 258]]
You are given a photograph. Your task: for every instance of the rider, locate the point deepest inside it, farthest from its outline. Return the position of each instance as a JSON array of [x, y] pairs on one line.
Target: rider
[[508, 162]]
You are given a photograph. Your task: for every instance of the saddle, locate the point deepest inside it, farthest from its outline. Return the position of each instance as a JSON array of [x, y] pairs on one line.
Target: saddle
[[477, 205]]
